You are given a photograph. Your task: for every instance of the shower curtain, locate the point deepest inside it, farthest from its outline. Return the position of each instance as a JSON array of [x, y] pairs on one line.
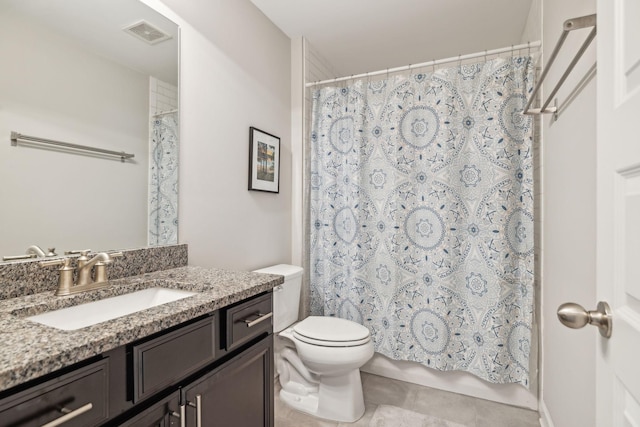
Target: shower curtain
[[163, 180], [421, 215]]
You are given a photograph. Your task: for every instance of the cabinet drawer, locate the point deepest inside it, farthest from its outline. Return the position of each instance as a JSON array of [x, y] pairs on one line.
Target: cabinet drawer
[[81, 396], [248, 320], [166, 359]]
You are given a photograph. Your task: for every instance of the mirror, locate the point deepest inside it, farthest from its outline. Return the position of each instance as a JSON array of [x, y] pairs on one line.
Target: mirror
[[71, 73]]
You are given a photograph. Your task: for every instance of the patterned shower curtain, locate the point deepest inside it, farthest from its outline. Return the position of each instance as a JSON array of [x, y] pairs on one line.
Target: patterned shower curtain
[[163, 180], [421, 208]]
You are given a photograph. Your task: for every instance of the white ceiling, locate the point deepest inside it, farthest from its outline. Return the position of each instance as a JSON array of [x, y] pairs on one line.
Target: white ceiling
[[357, 36], [97, 25]]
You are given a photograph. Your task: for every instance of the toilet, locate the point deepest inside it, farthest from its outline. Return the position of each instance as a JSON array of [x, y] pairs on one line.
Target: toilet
[[318, 359]]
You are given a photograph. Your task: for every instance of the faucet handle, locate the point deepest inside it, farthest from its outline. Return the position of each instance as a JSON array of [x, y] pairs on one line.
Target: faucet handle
[[101, 267], [16, 257], [110, 256], [64, 261], [77, 251], [51, 252], [65, 280]]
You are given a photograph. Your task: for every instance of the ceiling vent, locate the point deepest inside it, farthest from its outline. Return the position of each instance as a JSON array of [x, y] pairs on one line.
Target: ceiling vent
[[147, 32]]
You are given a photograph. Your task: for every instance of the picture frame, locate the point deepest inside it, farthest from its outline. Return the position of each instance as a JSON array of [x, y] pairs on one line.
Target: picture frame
[[264, 161]]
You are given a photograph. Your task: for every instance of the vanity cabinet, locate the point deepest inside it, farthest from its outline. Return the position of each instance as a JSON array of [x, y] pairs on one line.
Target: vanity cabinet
[[216, 370]]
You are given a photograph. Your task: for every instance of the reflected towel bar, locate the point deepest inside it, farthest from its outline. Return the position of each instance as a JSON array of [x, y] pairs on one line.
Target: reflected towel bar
[[15, 136], [569, 25]]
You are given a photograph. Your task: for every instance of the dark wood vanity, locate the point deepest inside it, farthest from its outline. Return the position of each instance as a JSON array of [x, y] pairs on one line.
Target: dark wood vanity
[[213, 370]]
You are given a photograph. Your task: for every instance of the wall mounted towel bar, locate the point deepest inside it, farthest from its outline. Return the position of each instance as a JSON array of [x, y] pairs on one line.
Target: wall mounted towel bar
[[568, 26], [15, 137]]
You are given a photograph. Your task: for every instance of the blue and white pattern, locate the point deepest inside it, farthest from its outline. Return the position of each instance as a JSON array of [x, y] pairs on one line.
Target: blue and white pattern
[[421, 204], [163, 180]]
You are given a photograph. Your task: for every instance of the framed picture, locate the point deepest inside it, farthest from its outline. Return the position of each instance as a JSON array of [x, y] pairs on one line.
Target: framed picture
[[264, 161]]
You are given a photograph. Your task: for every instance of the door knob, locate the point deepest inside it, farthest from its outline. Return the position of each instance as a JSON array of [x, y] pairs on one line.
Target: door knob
[[575, 316]]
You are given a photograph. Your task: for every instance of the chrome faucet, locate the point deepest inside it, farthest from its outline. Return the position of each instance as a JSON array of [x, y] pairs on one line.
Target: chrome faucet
[[85, 280]]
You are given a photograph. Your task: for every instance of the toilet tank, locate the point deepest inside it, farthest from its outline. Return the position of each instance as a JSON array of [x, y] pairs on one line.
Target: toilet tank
[[286, 297]]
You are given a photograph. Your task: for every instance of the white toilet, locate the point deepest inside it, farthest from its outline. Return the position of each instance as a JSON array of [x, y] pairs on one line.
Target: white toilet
[[318, 359]]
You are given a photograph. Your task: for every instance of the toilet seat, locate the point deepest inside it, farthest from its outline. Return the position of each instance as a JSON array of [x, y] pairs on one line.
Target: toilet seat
[[330, 343], [331, 332]]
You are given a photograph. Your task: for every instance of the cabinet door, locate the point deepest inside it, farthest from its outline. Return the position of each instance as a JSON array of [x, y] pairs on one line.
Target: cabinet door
[[239, 393], [165, 413]]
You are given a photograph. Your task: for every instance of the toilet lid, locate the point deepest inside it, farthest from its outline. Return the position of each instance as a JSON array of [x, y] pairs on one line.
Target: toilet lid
[[331, 331]]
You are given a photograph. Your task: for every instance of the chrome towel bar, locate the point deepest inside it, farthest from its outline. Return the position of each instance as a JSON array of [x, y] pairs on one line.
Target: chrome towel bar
[[15, 137], [568, 26]]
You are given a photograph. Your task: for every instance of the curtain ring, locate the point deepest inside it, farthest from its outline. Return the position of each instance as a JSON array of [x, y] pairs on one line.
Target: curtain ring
[[485, 56], [528, 48], [410, 72], [433, 66], [460, 61]]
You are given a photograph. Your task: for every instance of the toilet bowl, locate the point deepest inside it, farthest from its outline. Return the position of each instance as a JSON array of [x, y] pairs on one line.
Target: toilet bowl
[[318, 359], [322, 377]]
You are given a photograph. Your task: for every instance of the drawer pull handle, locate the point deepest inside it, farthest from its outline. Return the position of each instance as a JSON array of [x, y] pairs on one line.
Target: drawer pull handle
[[198, 406], [69, 415], [261, 318], [180, 416]]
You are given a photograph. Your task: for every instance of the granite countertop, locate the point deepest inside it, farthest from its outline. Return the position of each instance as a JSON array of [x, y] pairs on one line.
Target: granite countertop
[[29, 350]]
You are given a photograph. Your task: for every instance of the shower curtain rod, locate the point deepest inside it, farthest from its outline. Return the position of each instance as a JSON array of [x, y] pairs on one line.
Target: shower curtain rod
[[530, 45]]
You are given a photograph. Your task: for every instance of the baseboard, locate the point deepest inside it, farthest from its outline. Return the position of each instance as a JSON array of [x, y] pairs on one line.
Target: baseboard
[[456, 382]]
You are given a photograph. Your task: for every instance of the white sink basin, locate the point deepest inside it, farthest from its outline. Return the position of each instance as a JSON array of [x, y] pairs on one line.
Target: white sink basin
[[91, 313]]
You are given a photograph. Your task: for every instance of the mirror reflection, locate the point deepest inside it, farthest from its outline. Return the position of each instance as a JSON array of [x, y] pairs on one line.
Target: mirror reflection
[[99, 73]]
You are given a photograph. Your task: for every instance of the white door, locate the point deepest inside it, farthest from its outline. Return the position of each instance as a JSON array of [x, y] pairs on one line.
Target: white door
[[618, 211]]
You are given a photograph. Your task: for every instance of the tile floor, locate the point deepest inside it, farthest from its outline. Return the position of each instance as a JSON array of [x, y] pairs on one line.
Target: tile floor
[[468, 411]]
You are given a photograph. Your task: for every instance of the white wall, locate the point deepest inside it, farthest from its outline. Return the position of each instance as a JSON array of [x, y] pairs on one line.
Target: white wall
[[533, 27], [50, 87], [298, 131], [234, 73], [568, 356]]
